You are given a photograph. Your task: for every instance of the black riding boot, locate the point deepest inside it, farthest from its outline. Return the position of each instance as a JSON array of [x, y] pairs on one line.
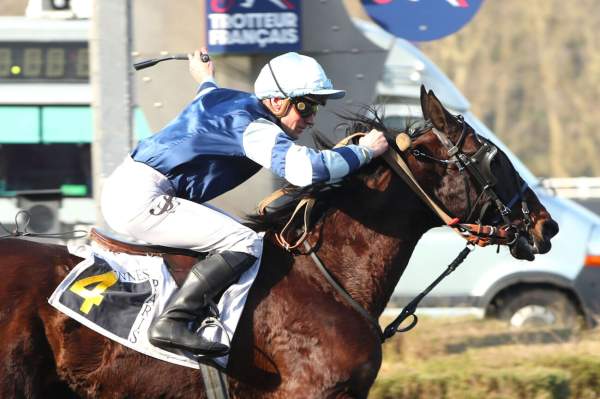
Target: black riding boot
[[206, 279]]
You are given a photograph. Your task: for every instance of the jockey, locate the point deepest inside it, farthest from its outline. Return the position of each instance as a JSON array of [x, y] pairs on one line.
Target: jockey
[[223, 137]]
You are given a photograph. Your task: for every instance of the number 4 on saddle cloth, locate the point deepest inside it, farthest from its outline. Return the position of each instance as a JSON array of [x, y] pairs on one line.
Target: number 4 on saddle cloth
[[119, 288]]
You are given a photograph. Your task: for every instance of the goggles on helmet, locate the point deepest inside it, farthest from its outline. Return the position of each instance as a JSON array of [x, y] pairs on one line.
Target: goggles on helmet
[[305, 107]]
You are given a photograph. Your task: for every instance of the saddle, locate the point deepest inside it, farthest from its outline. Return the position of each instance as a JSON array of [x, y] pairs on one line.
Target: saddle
[[179, 261]]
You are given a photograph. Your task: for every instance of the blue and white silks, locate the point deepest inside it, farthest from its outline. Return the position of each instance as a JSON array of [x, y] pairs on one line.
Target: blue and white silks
[[224, 136]]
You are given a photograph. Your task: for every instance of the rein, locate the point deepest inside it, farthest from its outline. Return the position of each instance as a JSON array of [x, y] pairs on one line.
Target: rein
[[22, 220]]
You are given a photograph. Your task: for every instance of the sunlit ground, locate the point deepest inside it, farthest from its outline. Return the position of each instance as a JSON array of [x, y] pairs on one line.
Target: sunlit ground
[[459, 358]]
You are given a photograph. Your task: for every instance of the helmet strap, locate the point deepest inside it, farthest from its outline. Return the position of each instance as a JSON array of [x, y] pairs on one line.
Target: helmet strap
[[275, 79], [285, 106]]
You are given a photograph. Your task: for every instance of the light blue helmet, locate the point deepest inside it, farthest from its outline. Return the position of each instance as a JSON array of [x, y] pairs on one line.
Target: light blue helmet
[[296, 75]]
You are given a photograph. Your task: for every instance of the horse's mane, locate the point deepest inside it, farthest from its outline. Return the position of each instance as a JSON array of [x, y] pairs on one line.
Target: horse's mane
[[278, 213]]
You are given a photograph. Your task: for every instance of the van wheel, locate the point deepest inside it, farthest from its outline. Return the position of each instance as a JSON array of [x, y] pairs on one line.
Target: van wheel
[[537, 308]]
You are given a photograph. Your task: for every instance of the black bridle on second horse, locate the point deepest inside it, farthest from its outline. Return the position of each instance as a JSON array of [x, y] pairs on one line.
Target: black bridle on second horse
[[478, 166]]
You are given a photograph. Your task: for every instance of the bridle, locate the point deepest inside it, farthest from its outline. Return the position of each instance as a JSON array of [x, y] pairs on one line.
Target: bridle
[[478, 167]]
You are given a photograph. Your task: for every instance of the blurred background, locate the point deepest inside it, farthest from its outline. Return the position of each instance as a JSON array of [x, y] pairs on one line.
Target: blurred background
[[530, 70], [524, 74]]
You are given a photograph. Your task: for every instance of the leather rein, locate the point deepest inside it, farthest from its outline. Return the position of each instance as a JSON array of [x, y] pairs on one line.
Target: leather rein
[[476, 165]]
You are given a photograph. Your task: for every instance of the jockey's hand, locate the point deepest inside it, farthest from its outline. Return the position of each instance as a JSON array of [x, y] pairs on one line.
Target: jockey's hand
[[199, 70], [374, 141]]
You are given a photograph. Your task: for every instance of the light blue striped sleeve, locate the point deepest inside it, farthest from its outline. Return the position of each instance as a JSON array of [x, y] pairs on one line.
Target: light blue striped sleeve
[[266, 144]]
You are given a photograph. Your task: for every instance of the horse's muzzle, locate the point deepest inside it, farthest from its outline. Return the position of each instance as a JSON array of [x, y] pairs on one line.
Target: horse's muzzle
[[535, 241], [522, 249], [548, 230]]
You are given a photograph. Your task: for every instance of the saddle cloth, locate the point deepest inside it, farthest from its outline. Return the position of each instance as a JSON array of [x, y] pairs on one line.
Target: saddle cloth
[[118, 295]]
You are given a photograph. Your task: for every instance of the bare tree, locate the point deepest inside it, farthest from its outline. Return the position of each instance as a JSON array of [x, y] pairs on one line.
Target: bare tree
[[532, 72]]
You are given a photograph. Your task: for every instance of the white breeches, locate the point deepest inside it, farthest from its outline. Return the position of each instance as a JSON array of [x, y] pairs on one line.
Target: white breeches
[[138, 201]]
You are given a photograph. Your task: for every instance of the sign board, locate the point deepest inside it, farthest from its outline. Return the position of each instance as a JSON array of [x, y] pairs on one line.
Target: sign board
[[421, 20], [253, 26]]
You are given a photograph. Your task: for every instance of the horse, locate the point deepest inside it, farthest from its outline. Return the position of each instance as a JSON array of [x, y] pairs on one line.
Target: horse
[[298, 336]]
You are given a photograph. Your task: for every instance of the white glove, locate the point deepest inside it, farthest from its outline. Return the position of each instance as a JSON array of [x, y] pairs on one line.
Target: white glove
[[375, 142]]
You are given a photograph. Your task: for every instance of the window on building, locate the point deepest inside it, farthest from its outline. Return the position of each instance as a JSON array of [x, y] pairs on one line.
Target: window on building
[[35, 167]]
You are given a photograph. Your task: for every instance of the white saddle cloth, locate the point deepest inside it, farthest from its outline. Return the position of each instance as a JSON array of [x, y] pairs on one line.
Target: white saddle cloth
[[118, 295]]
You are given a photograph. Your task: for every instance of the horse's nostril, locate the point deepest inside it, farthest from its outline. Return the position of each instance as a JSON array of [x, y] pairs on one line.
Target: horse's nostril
[[543, 247], [549, 229]]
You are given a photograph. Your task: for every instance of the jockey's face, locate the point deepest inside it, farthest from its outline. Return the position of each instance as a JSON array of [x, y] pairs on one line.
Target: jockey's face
[[292, 123]]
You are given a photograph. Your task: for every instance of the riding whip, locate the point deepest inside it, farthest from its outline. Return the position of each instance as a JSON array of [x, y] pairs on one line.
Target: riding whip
[[153, 61]]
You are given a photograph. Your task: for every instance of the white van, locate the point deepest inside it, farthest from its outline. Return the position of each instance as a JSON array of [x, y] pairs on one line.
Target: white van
[[558, 288]]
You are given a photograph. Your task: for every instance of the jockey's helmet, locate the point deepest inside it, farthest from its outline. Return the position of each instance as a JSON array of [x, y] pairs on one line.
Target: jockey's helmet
[[294, 75]]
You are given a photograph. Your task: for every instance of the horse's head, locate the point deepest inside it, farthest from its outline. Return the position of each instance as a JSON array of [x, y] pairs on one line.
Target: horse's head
[[476, 182], [472, 184]]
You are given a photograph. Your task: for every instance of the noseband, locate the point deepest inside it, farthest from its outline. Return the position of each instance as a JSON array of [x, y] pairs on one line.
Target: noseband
[[478, 167]]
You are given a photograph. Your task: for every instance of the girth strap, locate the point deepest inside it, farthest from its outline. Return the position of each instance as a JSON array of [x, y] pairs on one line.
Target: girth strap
[[215, 382]]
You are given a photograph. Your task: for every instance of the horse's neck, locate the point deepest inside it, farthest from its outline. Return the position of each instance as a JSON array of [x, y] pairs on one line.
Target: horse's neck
[[368, 258]]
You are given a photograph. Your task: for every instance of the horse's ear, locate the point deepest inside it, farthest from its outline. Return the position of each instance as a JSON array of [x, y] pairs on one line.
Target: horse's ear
[[424, 102], [434, 111]]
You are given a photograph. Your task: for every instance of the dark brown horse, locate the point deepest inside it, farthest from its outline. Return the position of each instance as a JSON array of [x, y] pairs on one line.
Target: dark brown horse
[[298, 337]]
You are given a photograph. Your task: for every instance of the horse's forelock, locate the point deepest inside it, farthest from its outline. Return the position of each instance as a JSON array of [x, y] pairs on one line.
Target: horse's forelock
[[363, 120]]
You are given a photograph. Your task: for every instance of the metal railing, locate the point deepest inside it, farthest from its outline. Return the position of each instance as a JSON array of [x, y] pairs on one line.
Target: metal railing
[[574, 187]]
